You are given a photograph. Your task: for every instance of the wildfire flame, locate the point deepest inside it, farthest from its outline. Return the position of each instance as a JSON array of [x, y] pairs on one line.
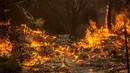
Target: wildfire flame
[[45, 49], [5, 48], [5, 23]]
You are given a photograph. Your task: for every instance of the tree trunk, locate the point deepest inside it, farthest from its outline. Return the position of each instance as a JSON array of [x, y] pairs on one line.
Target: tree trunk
[[109, 15]]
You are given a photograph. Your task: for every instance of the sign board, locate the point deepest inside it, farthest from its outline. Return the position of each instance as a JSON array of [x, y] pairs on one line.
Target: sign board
[[63, 39]]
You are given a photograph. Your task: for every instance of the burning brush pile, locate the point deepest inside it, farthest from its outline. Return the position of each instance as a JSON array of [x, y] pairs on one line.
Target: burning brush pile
[[38, 52]]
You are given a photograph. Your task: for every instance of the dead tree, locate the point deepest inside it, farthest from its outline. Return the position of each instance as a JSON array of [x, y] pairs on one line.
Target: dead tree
[[109, 15], [126, 36]]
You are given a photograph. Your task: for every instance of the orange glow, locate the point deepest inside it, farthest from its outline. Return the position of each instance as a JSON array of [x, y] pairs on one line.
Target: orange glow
[[45, 48], [5, 48], [5, 23]]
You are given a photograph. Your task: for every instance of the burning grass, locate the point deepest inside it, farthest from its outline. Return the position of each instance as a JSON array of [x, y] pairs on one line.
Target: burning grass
[[43, 54]]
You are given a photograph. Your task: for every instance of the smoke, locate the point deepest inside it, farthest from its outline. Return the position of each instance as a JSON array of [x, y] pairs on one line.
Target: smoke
[[39, 22]]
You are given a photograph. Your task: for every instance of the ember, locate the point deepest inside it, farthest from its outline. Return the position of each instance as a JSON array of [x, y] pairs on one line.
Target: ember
[[41, 53]]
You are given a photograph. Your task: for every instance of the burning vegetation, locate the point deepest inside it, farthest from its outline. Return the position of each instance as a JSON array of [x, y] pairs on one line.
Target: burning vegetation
[[41, 49], [38, 52]]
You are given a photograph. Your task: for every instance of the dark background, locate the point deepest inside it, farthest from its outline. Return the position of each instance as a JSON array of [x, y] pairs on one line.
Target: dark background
[[60, 16]]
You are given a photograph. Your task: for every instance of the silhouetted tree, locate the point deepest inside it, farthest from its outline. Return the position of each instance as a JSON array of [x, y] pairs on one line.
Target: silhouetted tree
[[109, 14]]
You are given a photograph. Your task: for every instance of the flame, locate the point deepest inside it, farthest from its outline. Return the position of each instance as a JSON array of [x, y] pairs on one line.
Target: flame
[[121, 19], [45, 48], [5, 23], [5, 48], [95, 36]]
